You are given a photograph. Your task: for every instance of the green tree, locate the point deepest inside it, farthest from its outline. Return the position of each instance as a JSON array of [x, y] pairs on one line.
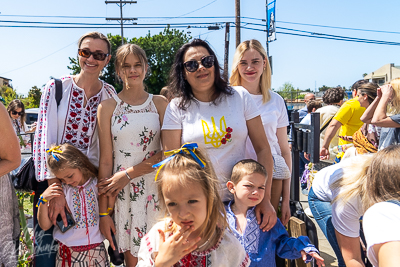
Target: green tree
[[323, 88], [33, 99], [8, 93], [160, 51], [287, 91]]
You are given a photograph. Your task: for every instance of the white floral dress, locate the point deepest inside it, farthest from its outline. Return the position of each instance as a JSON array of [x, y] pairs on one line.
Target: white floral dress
[[136, 137]]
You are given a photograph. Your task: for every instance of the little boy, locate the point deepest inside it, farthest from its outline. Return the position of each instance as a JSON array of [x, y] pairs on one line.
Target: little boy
[[247, 184]]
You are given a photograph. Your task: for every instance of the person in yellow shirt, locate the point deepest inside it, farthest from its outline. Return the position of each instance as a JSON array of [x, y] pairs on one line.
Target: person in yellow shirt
[[348, 118]]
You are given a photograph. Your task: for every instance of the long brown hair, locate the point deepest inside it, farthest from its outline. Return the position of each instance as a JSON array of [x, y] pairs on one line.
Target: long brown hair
[[183, 169], [71, 157], [383, 177], [13, 106]]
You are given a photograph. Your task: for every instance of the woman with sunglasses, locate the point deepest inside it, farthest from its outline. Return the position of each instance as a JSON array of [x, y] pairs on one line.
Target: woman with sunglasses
[[72, 121], [217, 117], [16, 110], [252, 71]]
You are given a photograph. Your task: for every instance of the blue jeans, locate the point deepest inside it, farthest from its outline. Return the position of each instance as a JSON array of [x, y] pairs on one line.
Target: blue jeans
[[322, 212], [45, 246]]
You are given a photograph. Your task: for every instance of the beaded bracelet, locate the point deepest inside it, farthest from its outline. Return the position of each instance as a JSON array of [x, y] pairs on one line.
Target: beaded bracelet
[[41, 200]]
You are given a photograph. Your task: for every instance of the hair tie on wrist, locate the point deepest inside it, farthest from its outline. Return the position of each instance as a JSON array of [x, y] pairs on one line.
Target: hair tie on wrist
[[41, 200]]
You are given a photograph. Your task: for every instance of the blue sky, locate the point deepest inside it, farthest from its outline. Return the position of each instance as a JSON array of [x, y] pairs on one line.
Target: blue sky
[[29, 56]]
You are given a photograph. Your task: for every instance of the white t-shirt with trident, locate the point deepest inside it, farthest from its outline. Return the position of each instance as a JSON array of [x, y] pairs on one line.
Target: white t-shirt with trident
[[218, 128]]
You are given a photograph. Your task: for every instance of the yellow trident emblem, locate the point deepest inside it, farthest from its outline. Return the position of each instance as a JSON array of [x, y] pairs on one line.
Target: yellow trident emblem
[[215, 136]]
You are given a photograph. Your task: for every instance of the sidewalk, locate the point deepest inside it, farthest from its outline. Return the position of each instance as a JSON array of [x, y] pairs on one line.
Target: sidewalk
[[324, 247]]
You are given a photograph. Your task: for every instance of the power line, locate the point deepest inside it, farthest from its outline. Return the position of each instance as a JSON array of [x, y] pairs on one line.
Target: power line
[[40, 58], [335, 27], [332, 37]]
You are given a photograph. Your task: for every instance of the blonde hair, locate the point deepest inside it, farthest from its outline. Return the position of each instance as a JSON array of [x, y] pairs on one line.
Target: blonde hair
[[129, 49], [181, 170], [265, 79], [394, 105], [246, 167], [95, 35], [353, 183], [383, 177], [70, 157]]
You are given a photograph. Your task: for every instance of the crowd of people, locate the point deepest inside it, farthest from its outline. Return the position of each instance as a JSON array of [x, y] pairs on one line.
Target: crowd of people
[[198, 175]]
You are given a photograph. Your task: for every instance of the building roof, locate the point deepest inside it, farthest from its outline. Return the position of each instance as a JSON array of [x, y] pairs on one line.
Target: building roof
[[384, 71], [4, 78]]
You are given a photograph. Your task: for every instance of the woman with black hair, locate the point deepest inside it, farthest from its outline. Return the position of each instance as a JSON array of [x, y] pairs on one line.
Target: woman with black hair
[[217, 117]]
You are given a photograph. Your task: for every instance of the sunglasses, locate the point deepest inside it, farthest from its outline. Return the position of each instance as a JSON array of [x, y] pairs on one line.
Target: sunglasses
[[17, 113], [193, 65], [96, 55]]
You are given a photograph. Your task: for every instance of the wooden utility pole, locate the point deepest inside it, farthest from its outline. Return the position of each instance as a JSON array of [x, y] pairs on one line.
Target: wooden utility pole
[[226, 56], [121, 3], [237, 15]]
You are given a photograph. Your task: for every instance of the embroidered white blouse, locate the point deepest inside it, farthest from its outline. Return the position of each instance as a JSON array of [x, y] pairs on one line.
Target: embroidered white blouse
[[70, 122], [226, 253], [83, 203]]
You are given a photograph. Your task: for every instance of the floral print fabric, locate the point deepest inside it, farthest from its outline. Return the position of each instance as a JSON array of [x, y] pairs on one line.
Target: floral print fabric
[[136, 137]]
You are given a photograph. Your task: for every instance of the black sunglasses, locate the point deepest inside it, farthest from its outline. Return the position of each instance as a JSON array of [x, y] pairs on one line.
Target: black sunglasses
[[17, 113], [96, 55], [193, 65]]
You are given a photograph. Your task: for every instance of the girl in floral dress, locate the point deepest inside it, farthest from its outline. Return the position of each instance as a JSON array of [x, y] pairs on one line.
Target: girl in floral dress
[[129, 131]]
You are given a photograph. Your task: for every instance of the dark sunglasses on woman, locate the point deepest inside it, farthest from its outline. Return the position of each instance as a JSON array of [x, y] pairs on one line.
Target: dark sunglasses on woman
[[193, 65], [17, 113], [96, 55]]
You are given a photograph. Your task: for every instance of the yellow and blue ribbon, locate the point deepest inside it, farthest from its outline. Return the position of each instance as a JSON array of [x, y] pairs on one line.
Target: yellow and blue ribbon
[[55, 149], [187, 148], [41, 200]]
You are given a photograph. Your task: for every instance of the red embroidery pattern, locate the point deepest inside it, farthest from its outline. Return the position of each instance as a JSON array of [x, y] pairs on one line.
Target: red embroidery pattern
[[81, 121]]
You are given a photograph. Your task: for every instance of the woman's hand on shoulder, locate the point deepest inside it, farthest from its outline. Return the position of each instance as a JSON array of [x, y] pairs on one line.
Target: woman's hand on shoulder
[[318, 259], [175, 247], [268, 213]]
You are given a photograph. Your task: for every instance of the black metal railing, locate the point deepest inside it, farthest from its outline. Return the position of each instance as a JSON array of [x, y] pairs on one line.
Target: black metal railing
[[304, 138]]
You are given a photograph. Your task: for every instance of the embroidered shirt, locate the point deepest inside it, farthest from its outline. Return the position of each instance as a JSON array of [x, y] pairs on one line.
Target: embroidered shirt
[[70, 122], [262, 246], [83, 203], [226, 253]]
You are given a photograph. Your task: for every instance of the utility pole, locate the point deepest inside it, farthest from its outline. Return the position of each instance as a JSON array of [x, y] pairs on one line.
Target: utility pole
[[237, 15], [121, 3], [226, 51]]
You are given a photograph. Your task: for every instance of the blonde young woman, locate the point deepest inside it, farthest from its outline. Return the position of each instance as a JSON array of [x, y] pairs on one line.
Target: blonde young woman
[[252, 71], [129, 132], [335, 202], [382, 204]]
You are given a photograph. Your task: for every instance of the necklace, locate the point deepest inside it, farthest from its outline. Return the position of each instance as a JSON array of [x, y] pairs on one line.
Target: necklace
[[205, 243]]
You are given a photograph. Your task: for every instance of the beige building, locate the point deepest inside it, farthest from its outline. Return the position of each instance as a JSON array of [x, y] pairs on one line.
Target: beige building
[[384, 74], [4, 81]]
